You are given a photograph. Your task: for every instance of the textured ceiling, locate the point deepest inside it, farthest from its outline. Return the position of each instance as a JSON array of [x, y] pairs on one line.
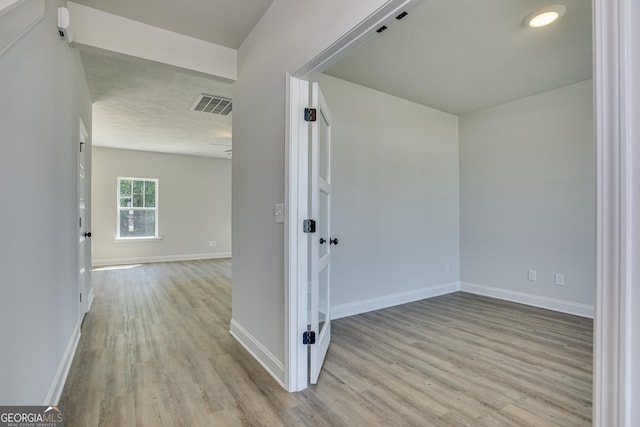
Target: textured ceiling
[[223, 22], [141, 105], [456, 56], [460, 56]]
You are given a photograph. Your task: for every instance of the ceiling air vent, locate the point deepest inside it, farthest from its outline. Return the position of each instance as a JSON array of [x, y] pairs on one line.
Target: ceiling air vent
[[212, 104]]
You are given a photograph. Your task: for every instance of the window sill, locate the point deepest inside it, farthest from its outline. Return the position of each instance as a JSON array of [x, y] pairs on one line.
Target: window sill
[[136, 239]]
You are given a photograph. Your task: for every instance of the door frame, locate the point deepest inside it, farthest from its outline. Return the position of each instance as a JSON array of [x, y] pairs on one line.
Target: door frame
[[614, 379], [296, 248], [296, 185], [84, 281]]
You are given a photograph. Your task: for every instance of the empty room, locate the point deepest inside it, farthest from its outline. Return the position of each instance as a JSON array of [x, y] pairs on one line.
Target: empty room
[[428, 206], [420, 197]]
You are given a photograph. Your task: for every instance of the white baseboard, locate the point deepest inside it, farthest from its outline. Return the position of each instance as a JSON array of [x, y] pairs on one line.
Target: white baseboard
[[90, 300], [568, 307], [359, 307], [273, 366], [98, 262], [55, 391]]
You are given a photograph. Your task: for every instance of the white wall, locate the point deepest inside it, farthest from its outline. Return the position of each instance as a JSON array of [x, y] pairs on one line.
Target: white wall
[[527, 198], [194, 200], [395, 206], [288, 36], [43, 92]]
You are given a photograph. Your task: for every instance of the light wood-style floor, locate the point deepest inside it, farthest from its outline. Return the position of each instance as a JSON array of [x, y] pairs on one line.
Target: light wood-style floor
[[155, 351]]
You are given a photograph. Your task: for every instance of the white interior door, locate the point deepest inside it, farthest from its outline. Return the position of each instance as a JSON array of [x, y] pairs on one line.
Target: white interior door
[[321, 241], [84, 256]]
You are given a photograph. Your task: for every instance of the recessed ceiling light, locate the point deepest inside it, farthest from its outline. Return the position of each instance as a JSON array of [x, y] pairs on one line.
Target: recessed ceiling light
[[545, 16]]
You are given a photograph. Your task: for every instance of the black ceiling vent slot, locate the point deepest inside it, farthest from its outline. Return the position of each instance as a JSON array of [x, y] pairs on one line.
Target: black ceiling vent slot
[[402, 15], [381, 29]]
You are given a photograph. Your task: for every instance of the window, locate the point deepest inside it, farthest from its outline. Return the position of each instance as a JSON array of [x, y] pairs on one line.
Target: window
[[137, 208]]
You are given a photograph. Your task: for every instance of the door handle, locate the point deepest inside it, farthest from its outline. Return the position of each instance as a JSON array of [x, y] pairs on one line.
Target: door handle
[[322, 240], [333, 241], [87, 234]]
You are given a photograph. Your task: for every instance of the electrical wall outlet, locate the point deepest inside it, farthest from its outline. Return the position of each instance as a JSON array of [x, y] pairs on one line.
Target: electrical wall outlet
[[559, 279], [446, 267], [212, 243], [532, 276]]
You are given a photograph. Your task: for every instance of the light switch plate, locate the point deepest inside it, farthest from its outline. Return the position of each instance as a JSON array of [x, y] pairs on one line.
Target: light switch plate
[[278, 213]]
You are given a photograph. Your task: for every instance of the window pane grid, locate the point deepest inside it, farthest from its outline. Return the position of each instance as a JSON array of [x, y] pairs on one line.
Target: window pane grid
[[137, 208], [137, 193]]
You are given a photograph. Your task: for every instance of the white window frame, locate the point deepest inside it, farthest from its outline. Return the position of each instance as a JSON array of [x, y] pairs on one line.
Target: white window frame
[[119, 208]]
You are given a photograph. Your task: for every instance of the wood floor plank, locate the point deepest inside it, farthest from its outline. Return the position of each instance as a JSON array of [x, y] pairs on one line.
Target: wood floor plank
[[155, 350]]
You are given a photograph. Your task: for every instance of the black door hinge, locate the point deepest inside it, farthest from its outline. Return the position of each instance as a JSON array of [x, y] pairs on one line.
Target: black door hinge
[[308, 337], [310, 114], [309, 226]]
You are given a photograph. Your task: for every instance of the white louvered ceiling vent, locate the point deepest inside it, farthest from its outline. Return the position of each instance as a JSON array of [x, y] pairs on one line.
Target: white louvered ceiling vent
[[212, 104]]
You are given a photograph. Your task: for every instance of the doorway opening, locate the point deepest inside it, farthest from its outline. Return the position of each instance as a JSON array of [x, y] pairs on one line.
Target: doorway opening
[[295, 175]]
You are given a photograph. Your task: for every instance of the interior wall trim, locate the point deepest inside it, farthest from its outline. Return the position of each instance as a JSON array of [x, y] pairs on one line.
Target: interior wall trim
[[90, 304], [264, 357], [563, 306], [364, 306], [59, 380], [615, 377], [99, 262]]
